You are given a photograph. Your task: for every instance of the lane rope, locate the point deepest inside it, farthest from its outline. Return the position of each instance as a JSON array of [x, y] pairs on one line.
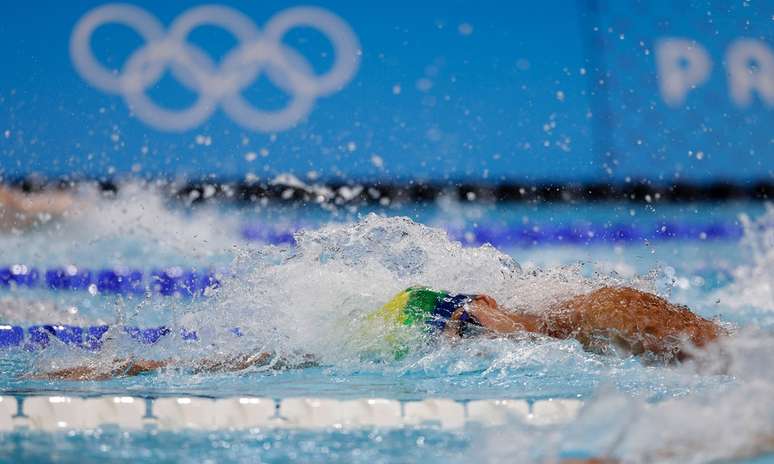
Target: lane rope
[[40, 336], [58, 413], [170, 281], [544, 234]]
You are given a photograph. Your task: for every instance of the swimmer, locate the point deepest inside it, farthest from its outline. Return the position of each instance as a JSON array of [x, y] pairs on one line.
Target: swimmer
[[603, 320], [19, 210], [630, 320]]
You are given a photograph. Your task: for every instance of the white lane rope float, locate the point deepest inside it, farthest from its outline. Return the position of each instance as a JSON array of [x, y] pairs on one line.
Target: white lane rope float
[[221, 83], [61, 413]]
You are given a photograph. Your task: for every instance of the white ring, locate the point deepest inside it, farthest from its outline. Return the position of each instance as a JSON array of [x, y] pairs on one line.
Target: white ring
[[229, 19], [214, 84], [344, 41], [150, 112], [87, 65], [236, 106]]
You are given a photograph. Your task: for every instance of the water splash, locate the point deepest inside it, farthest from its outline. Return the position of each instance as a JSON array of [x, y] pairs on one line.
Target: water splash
[[732, 421], [753, 285], [316, 296], [133, 228]]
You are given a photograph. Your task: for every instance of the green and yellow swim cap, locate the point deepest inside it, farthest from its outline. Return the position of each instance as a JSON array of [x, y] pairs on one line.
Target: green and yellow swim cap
[[415, 308]]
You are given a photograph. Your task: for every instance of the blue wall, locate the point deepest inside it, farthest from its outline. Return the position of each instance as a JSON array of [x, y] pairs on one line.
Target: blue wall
[[550, 90]]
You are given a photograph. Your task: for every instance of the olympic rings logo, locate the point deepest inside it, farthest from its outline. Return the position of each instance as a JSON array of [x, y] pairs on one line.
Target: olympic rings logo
[[217, 83]]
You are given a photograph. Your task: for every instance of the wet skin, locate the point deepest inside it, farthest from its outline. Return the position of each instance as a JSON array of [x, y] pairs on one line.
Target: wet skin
[[621, 317], [20, 211], [630, 320]]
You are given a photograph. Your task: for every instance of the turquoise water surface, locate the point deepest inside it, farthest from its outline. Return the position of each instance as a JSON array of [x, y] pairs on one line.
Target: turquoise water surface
[[347, 271]]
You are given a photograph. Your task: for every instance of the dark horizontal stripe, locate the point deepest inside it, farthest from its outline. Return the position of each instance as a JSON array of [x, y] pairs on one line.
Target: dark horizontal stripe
[[416, 191], [379, 193]]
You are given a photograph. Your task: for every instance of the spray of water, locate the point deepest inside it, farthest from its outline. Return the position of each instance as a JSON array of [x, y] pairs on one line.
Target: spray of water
[[753, 285], [133, 228], [317, 296], [729, 421]]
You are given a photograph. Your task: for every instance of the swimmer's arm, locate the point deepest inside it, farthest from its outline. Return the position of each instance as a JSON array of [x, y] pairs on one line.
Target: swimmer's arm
[[119, 368], [499, 320], [34, 203], [491, 316], [133, 367], [232, 364], [19, 210]]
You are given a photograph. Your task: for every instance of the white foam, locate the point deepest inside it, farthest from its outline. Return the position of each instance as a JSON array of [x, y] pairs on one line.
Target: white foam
[[729, 421], [134, 228], [315, 296], [753, 285]]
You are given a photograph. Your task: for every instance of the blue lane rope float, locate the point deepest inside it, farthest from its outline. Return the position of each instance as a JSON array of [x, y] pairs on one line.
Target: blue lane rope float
[[534, 235], [39, 336], [166, 282]]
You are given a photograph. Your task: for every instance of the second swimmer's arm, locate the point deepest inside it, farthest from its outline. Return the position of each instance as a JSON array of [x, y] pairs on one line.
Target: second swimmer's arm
[[132, 367], [118, 368], [241, 362], [129, 367]]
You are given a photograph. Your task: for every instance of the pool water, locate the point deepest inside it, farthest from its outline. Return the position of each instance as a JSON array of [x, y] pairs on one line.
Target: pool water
[[255, 446], [307, 296], [273, 446]]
